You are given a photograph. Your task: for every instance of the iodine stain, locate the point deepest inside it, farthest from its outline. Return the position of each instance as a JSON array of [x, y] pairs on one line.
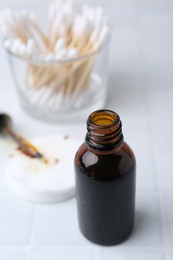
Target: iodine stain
[[27, 153], [56, 161]]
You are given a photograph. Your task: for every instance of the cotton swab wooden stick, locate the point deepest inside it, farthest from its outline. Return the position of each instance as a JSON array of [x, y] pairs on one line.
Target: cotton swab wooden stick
[[39, 31], [24, 146], [73, 33]]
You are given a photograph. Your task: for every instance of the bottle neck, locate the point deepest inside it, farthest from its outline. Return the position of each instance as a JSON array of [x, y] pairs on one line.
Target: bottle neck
[[104, 132]]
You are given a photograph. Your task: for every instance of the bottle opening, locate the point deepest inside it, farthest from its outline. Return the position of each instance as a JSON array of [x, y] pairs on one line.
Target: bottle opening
[[103, 118], [104, 131]]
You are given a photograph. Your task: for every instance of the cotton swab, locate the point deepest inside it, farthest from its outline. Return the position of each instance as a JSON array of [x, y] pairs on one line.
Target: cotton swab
[[73, 32], [59, 45]]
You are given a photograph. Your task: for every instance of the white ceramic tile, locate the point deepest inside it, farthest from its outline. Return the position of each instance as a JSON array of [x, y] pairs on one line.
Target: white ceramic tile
[[156, 37], [143, 254], [9, 253], [15, 219], [157, 51], [165, 176], [146, 171], [127, 94], [65, 253], [160, 102], [148, 226], [158, 77], [125, 44], [169, 256], [57, 225], [123, 13], [137, 132], [167, 207], [122, 17], [154, 14], [125, 41]]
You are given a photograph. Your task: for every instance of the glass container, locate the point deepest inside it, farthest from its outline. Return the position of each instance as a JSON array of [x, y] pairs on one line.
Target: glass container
[[61, 90]]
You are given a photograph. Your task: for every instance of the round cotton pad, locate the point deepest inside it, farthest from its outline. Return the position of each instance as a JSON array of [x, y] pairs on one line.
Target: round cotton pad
[[42, 182]]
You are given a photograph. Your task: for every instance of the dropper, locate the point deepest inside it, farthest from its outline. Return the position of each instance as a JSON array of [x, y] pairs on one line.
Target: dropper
[[24, 146]]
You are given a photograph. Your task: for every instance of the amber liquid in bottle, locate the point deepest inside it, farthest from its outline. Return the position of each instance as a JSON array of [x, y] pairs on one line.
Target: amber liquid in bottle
[[105, 181]]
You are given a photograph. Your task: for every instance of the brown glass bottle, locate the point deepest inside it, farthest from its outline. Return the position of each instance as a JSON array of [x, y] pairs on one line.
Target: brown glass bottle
[[105, 181]]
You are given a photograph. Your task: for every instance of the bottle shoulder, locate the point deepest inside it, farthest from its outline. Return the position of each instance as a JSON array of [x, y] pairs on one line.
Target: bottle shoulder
[[105, 165]]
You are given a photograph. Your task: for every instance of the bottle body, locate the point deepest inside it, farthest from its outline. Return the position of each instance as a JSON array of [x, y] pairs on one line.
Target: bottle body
[[105, 171], [105, 193]]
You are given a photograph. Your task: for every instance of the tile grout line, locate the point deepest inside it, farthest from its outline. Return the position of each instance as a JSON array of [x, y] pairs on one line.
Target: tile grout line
[[155, 150], [162, 195], [93, 246], [161, 191], [29, 248]]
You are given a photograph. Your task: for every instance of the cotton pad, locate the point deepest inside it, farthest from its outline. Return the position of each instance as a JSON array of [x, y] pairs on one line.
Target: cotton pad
[[41, 182]]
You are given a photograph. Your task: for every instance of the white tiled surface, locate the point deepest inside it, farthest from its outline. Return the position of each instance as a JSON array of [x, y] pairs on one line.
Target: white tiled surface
[[136, 254], [15, 220], [141, 91]]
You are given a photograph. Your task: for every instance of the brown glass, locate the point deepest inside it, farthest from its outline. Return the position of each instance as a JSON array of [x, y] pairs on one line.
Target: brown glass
[[105, 181]]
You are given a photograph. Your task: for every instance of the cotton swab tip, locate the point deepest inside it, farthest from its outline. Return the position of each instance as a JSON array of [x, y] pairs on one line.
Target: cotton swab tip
[[72, 53], [22, 50], [30, 47], [7, 44], [49, 57], [60, 44]]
